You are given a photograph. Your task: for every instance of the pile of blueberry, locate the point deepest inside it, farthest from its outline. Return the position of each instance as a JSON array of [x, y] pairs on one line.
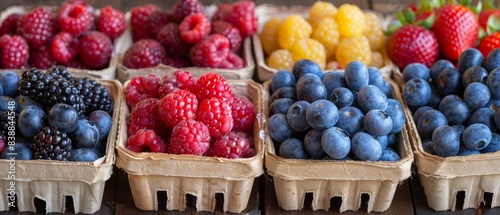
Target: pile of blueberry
[[336, 115], [455, 109]]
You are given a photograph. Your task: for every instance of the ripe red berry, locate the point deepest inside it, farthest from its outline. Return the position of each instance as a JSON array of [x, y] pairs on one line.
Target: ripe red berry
[[210, 85], [232, 33], [216, 114], [244, 18], [243, 113], [142, 87], [223, 12], [36, 27], [189, 137], [9, 25], [176, 106], [96, 49], [169, 36], [194, 28], [177, 62], [74, 19], [232, 145], [180, 79], [233, 61], [111, 22], [41, 58], [15, 52], [145, 115], [76, 63], [210, 52], [156, 21], [146, 140], [183, 8], [64, 47], [139, 20], [143, 54]]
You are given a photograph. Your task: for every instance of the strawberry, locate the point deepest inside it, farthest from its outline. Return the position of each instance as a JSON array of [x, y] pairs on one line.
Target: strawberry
[[489, 10], [489, 43]]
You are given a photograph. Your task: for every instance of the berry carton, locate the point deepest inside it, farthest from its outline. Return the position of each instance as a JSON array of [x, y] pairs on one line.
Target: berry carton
[[201, 176]]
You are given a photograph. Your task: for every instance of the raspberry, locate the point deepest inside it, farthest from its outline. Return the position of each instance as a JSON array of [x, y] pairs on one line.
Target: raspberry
[[37, 27], [210, 52], [96, 49], [374, 31], [223, 12], [292, 29], [170, 37], [326, 32], [350, 20], [9, 25], [143, 54], [269, 35], [141, 87], [210, 85], [76, 63], [232, 145], [139, 20], [177, 62], [146, 140], [145, 115], [176, 106], [231, 32], [111, 22], [156, 21], [183, 8], [310, 49], [180, 79], [41, 58], [281, 59], [243, 17], [243, 113], [233, 61], [64, 47], [216, 114], [353, 48], [189, 137], [194, 28], [15, 52], [74, 19], [321, 10]]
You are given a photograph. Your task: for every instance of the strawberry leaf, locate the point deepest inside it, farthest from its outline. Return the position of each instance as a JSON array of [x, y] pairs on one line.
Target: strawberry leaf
[[401, 17], [428, 22], [488, 4], [465, 2], [493, 25], [394, 26], [476, 9], [409, 16], [481, 34]]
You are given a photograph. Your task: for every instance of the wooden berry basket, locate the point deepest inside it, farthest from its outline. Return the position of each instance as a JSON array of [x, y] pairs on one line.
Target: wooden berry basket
[[53, 181], [203, 177], [293, 178]]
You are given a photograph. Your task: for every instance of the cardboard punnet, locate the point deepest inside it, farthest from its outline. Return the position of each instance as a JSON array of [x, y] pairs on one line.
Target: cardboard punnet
[[52, 181], [326, 179], [200, 176]]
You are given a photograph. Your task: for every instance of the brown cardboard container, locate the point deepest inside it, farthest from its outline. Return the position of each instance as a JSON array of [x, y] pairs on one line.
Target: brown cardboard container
[[200, 176], [106, 73], [268, 11], [52, 181], [326, 179]]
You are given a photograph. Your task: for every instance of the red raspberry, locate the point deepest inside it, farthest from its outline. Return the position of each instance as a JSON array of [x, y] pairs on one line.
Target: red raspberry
[[9, 25], [189, 137], [141, 87], [232, 145], [176, 106], [15, 52], [210, 85], [37, 27], [139, 20], [143, 54], [76, 63], [96, 49], [180, 79], [224, 10], [231, 32], [243, 112], [194, 28], [170, 37], [156, 21], [145, 115], [210, 52], [146, 140], [41, 58], [216, 114], [243, 17], [177, 62], [183, 8], [233, 61], [111, 22], [64, 47], [74, 19]]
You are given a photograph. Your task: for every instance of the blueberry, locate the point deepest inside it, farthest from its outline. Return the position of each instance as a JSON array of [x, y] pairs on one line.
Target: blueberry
[[351, 120], [435, 98], [85, 135], [459, 129], [496, 117], [1, 90], [307, 76], [83, 155], [372, 98], [474, 74], [292, 148], [464, 151], [387, 89], [449, 82], [394, 103], [342, 97], [282, 78], [383, 141], [10, 82], [476, 95], [284, 92], [312, 144], [100, 148], [24, 101], [278, 128], [377, 123], [31, 120], [391, 140], [336, 142], [428, 147], [355, 99], [494, 145], [366, 147], [439, 66], [280, 106], [375, 78], [7, 103], [416, 70], [476, 136], [492, 60], [333, 80], [493, 82], [346, 158], [302, 67], [389, 155], [446, 141], [296, 116], [484, 116], [103, 121], [311, 90], [20, 139], [417, 92], [455, 109], [429, 121], [64, 117], [493, 104], [468, 58], [420, 111], [322, 114], [356, 75], [397, 117], [18, 152]]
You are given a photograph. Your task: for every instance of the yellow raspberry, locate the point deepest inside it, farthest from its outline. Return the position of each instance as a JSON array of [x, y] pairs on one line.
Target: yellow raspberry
[[353, 48], [292, 29], [321, 10], [351, 20], [326, 33], [377, 59], [374, 31], [280, 59], [310, 49], [269, 35]]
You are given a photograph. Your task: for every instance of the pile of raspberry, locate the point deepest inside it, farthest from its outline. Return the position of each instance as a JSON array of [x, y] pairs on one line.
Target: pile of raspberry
[[72, 36], [187, 36], [179, 114]]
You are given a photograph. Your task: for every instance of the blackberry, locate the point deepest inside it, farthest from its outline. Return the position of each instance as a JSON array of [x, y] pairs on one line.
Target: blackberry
[[52, 144], [33, 84], [6, 121], [61, 90], [95, 96], [59, 70]]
